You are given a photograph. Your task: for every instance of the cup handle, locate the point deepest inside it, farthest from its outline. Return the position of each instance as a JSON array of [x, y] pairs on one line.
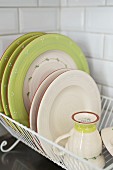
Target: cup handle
[[56, 151]]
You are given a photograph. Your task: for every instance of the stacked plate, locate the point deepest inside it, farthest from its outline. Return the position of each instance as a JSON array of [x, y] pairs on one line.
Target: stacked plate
[[44, 80]]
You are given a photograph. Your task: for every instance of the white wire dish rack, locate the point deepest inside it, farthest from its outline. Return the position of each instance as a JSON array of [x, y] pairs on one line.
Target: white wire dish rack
[[33, 140]]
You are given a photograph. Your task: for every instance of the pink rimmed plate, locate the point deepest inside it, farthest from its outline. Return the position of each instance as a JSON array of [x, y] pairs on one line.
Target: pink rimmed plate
[[70, 92], [38, 96]]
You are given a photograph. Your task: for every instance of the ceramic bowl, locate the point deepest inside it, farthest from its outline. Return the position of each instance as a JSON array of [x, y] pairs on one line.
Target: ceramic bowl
[[107, 137]]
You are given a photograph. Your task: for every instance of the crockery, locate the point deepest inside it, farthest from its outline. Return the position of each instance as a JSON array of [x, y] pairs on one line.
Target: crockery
[[107, 137], [72, 163], [70, 92], [50, 61], [1, 108], [84, 133], [28, 55], [8, 68], [8, 52], [98, 161], [41, 68], [38, 96]]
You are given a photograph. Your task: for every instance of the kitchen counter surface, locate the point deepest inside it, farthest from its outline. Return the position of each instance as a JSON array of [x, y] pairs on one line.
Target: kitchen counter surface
[[24, 158]]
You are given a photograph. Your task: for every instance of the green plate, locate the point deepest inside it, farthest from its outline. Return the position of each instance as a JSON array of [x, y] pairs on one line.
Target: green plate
[[6, 75], [1, 108], [27, 56], [7, 55]]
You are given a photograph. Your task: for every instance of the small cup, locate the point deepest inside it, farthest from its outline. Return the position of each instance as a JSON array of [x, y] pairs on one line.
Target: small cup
[[84, 139]]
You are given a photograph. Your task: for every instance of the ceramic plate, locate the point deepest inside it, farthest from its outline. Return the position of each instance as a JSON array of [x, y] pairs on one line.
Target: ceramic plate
[[4, 84], [43, 66], [70, 92], [27, 80], [107, 137], [1, 108], [8, 53], [33, 50], [38, 96], [50, 61]]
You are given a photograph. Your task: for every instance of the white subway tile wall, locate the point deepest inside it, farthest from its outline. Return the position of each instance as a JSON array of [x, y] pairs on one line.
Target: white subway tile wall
[[109, 2], [101, 71], [63, 2], [99, 19], [108, 47], [18, 3], [88, 22], [107, 91], [85, 2], [95, 37], [8, 20], [38, 19], [72, 19], [91, 44], [5, 41], [49, 3]]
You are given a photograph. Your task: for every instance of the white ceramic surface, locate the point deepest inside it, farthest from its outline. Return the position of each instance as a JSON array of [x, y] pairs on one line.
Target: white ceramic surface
[[71, 92], [107, 137], [41, 68], [38, 96], [72, 163], [83, 133], [27, 81], [98, 161], [78, 143], [50, 61]]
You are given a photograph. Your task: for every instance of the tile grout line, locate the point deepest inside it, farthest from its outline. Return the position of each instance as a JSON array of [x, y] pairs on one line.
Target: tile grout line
[[100, 59], [37, 3], [66, 3], [3, 7], [104, 85], [98, 33], [105, 2], [67, 6], [82, 6], [104, 47], [60, 8], [18, 20], [84, 19]]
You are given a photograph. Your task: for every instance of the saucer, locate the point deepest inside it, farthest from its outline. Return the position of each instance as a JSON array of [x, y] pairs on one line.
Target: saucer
[[107, 137]]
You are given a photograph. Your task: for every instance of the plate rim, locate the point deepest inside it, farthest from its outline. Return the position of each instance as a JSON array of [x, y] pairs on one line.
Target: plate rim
[[56, 73]]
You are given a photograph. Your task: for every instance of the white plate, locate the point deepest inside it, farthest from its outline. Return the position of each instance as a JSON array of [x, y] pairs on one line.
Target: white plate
[[107, 137], [70, 92], [38, 96], [48, 62], [27, 81]]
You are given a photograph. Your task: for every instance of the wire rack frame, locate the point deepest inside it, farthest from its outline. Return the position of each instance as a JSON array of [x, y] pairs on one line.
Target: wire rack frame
[[69, 160]]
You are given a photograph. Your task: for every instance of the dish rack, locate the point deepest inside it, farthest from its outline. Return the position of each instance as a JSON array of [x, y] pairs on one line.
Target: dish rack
[[33, 140]]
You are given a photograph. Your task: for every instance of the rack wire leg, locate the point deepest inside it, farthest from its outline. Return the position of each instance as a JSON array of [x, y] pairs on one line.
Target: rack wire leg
[[4, 143]]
